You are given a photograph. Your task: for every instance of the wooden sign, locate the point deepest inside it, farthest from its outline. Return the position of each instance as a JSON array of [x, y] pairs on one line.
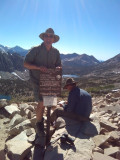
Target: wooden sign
[[50, 82]]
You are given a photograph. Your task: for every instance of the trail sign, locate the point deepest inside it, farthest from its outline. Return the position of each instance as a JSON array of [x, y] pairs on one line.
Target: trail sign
[[50, 82]]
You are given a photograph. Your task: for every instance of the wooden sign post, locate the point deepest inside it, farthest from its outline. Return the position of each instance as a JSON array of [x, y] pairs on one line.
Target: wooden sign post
[[50, 88]]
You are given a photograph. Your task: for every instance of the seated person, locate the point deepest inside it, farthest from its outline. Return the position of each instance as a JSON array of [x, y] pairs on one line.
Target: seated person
[[79, 104]]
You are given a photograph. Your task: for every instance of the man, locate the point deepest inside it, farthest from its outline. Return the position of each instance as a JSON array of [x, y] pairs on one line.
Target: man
[[79, 104], [39, 59]]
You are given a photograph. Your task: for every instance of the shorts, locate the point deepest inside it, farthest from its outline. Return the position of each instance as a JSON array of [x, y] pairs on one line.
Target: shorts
[[36, 90]]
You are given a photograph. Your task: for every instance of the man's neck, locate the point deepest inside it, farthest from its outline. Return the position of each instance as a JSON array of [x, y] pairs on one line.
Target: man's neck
[[48, 47]]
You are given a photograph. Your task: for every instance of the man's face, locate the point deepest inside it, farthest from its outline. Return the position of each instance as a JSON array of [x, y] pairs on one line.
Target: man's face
[[48, 39], [69, 87]]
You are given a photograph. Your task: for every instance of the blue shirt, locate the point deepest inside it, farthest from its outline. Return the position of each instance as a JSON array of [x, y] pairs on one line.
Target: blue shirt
[[79, 102]]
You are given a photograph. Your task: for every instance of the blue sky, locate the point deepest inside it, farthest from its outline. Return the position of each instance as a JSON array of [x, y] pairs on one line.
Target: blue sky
[[84, 26]]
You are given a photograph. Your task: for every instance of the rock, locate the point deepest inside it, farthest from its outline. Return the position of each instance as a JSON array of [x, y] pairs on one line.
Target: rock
[[102, 105], [106, 145], [83, 145], [30, 131], [22, 113], [98, 149], [18, 147], [109, 111], [102, 113], [23, 105], [31, 138], [100, 139], [1, 116], [115, 135], [20, 127], [107, 125], [90, 128], [103, 131], [118, 155], [6, 121], [116, 94], [28, 113], [60, 122], [116, 120], [108, 96], [16, 120], [33, 104], [111, 120], [2, 153], [99, 156], [31, 108], [3, 103], [12, 109], [112, 151]]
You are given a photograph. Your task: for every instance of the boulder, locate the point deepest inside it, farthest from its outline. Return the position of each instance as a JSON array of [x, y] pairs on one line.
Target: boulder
[[100, 139], [31, 138], [112, 151], [98, 149], [12, 109], [16, 120], [100, 156], [31, 108], [18, 147], [30, 131], [107, 125], [20, 127], [115, 135], [23, 105]]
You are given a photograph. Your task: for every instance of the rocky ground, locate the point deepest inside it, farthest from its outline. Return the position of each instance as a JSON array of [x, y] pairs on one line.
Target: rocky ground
[[95, 140]]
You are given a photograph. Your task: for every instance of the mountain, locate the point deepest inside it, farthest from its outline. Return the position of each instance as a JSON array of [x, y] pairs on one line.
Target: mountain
[[76, 60], [18, 50], [15, 49], [111, 66], [4, 48], [68, 56], [10, 62]]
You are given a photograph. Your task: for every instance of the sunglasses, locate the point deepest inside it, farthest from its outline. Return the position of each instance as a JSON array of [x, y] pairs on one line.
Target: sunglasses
[[48, 36]]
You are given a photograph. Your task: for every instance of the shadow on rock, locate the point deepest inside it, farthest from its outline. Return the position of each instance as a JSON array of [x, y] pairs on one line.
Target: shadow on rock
[[88, 129]]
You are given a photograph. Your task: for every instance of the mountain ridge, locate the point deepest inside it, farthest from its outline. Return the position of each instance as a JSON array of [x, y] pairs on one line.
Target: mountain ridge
[[83, 65]]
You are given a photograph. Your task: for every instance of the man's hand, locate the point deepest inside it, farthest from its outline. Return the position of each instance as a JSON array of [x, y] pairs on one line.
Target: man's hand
[[43, 69], [59, 67]]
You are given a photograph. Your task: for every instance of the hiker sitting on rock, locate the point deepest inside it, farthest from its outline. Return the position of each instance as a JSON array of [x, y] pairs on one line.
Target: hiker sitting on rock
[[79, 104]]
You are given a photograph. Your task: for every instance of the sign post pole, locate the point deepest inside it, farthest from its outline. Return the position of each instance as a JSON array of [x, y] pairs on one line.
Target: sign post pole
[[48, 125]]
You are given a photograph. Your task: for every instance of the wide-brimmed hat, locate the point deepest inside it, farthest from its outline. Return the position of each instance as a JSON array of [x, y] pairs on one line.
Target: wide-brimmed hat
[[50, 31], [69, 81]]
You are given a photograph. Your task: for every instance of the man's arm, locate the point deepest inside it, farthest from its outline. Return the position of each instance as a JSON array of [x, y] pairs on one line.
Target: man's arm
[[32, 66], [72, 100]]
